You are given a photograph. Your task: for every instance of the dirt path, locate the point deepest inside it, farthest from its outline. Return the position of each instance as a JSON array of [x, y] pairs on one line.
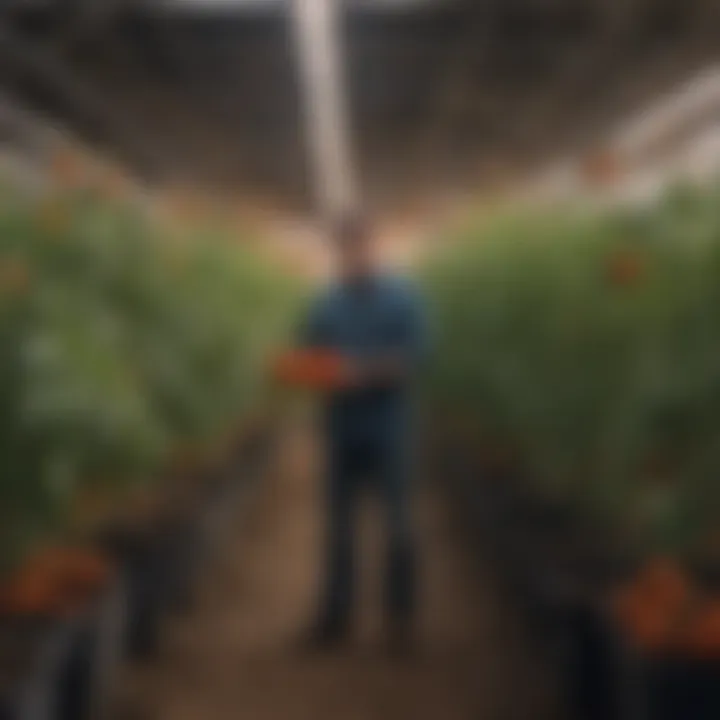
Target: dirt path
[[234, 657]]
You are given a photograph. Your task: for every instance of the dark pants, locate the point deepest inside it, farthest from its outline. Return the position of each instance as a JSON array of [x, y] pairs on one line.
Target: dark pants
[[386, 471]]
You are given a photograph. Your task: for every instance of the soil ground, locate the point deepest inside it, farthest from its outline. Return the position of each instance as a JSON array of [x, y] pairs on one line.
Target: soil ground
[[235, 656]]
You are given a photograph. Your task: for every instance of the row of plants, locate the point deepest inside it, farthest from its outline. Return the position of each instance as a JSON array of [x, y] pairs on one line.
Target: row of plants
[[581, 365], [127, 354]]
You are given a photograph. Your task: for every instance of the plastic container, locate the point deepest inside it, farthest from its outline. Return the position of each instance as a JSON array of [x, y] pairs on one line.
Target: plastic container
[[34, 658], [90, 673]]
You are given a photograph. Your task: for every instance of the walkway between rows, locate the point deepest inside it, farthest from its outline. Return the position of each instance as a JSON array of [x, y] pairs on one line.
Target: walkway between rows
[[233, 658]]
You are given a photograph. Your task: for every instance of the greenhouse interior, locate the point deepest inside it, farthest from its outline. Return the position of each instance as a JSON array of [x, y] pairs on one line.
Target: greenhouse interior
[[355, 360]]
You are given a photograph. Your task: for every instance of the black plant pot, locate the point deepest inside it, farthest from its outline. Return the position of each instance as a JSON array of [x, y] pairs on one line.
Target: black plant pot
[[161, 562], [34, 656], [88, 678], [681, 689], [139, 554], [606, 680], [598, 676]]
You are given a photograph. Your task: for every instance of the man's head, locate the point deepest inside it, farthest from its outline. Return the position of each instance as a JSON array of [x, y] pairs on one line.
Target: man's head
[[355, 246]]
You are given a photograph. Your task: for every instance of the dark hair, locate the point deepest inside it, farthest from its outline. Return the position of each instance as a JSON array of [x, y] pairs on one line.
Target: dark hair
[[351, 230]]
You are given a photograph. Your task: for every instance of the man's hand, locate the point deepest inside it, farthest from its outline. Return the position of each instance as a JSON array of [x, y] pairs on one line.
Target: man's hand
[[322, 370], [381, 371], [353, 375]]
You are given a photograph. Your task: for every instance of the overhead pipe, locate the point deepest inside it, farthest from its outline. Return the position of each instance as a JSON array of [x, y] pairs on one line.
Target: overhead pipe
[[317, 29]]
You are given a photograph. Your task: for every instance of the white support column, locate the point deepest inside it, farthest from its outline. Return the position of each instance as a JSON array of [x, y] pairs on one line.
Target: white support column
[[317, 27]]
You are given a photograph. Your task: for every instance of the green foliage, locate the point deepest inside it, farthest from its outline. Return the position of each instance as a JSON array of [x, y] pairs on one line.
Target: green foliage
[[118, 345], [591, 344]]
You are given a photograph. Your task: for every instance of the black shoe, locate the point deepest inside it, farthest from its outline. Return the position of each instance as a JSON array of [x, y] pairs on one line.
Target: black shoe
[[324, 636]]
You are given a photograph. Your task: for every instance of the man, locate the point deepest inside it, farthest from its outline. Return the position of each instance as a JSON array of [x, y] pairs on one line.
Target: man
[[377, 322]]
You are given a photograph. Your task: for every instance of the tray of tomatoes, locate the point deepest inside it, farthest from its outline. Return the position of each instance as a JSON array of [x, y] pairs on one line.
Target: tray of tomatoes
[[319, 370]]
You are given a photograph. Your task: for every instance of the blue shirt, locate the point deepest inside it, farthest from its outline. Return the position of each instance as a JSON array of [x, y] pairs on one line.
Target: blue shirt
[[365, 319]]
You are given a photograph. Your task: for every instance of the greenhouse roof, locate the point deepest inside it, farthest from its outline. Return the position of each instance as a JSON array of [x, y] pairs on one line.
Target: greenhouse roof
[[239, 7], [261, 5]]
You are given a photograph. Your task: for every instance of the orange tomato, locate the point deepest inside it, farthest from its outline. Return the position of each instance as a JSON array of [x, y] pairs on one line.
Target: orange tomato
[[54, 581], [312, 369], [14, 277], [68, 167], [651, 609], [625, 268], [664, 579], [701, 638], [114, 185], [602, 168]]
